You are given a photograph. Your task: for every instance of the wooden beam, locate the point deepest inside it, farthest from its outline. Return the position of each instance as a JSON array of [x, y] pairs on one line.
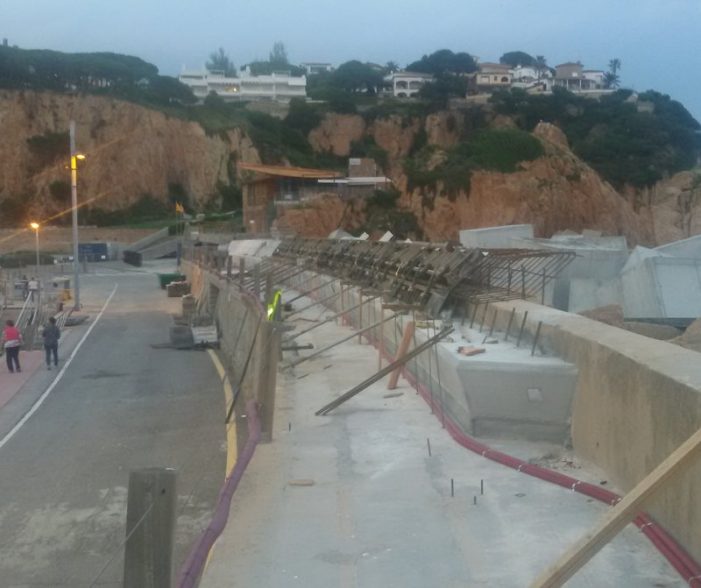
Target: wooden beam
[[383, 372], [621, 514], [401, 352]]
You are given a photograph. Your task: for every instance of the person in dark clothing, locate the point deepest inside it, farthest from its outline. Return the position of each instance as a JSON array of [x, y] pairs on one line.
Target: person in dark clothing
[[51, 336]]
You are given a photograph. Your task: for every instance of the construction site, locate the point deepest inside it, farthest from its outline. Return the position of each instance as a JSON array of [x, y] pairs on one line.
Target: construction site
[[348, 360], [424, 414]]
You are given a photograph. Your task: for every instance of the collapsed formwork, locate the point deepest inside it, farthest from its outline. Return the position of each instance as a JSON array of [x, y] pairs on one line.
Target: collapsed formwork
[[431, 276]]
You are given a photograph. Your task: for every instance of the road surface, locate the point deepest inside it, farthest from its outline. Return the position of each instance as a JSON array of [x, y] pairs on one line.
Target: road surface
[[120, 405]]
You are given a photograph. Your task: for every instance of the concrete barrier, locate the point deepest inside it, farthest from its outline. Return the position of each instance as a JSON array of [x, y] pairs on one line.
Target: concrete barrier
[[637, 400], [633, 399], [249, 344]]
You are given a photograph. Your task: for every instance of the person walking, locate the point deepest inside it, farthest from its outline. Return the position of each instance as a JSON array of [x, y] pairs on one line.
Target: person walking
[[51, 336], [12, 340], [33, 287]]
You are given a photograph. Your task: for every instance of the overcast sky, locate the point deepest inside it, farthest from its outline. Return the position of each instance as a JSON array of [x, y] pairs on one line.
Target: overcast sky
[[657, 41]]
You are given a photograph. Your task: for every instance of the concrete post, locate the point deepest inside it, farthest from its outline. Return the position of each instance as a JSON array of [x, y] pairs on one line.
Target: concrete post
[[268, 352], [151, 503]]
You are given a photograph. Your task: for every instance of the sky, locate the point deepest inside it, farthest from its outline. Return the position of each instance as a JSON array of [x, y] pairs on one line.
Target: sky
[[657, 41]]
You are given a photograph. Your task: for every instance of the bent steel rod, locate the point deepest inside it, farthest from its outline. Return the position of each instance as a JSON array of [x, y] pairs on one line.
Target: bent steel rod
[[276, 272], [355, 334], [384, 371], [331, 318], [308, 292], [334, 295]]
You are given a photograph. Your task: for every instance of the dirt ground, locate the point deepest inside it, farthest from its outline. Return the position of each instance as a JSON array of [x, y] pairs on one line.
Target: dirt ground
[[59, 239]]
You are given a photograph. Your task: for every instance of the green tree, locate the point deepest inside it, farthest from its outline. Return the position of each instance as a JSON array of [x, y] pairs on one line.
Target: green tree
[[611, 77], [167, 90], [444, 61], [354, 76], [443, 87], [391, 67], [220, 61], [278, 55], [540, 65], [302, 116], [516, 58]]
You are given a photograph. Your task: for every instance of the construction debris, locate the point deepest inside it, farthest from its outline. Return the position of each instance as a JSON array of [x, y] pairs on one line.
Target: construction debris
[[470, 351], [176, 289]]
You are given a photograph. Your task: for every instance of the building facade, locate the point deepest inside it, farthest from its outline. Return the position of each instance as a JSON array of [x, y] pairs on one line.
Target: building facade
[[406, 84], [279, 87]]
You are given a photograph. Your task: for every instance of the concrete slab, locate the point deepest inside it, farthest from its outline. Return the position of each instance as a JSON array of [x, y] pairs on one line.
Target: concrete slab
[[504, 237], [380, 511]]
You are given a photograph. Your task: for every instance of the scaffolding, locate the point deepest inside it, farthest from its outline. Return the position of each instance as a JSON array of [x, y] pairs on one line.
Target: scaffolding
[[433, 276]]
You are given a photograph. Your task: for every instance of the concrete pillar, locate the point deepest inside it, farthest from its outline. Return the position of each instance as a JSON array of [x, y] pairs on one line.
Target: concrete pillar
[[268, 353], [151, 503]]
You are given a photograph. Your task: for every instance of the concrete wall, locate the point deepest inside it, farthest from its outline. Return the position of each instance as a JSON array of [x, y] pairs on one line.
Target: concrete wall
[[504, 237], [637, 400], [662, 287], [504, 392], [242, 324]]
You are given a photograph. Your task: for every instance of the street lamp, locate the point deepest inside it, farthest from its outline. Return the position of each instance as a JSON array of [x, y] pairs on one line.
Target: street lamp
[[74, 210], [35, 226]]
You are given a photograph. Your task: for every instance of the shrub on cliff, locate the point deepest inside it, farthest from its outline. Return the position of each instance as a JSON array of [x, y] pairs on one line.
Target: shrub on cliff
[[497, 149], [628, 140]]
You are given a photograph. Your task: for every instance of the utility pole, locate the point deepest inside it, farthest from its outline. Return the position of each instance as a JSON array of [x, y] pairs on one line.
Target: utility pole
[[74, 215]]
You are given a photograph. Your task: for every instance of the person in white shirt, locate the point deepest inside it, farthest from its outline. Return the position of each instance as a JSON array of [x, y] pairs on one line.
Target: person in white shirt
[[33, 287]]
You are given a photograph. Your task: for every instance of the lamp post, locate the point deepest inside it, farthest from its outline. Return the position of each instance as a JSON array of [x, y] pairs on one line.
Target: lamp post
[[35, 226], [74, 214]]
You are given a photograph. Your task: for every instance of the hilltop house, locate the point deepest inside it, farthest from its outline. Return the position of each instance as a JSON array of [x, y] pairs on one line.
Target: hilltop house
[[573, 77], [278, 86], [490, 77], [406, 84], [526, 78]]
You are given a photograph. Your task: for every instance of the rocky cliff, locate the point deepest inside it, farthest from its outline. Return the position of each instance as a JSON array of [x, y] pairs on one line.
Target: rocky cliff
[[132, 151]]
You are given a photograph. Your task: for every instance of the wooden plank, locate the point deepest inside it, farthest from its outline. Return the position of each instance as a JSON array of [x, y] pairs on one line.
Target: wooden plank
[[383, 372], [401, 352], [620, 515]]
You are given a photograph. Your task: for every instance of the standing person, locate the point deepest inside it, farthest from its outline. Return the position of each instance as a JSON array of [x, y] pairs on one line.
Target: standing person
[[33, 287], [51, 336], [12, 339], [25, 287]]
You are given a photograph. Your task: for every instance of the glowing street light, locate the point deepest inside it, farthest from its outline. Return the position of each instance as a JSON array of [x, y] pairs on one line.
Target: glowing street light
[[35, 226], [75, 156]]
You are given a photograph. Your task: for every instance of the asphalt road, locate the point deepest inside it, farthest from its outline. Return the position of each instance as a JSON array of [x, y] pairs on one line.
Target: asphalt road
[[121, 405]]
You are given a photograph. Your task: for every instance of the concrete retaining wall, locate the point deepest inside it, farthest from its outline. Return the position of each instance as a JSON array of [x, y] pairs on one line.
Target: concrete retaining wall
[[242, 325], [637, 400], [504, 392]]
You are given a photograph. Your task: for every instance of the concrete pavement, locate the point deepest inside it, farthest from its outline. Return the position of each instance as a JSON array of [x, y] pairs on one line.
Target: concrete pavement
[[119, 406], [354, 499]]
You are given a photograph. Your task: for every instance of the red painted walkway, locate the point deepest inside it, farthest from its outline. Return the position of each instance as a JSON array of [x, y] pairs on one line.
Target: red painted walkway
[[10, 384]]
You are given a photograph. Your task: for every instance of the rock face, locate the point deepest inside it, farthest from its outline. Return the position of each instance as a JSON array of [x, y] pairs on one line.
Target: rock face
[[131, 151], [337, 132], [675, 207], [554, 192], [134, 151]]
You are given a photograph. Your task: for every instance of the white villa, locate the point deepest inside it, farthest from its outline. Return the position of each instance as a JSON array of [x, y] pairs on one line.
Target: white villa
[[278, 87], [406, 84]]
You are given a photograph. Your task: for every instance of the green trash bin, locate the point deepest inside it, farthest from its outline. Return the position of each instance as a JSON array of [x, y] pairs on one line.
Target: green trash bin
[[165, 279]]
